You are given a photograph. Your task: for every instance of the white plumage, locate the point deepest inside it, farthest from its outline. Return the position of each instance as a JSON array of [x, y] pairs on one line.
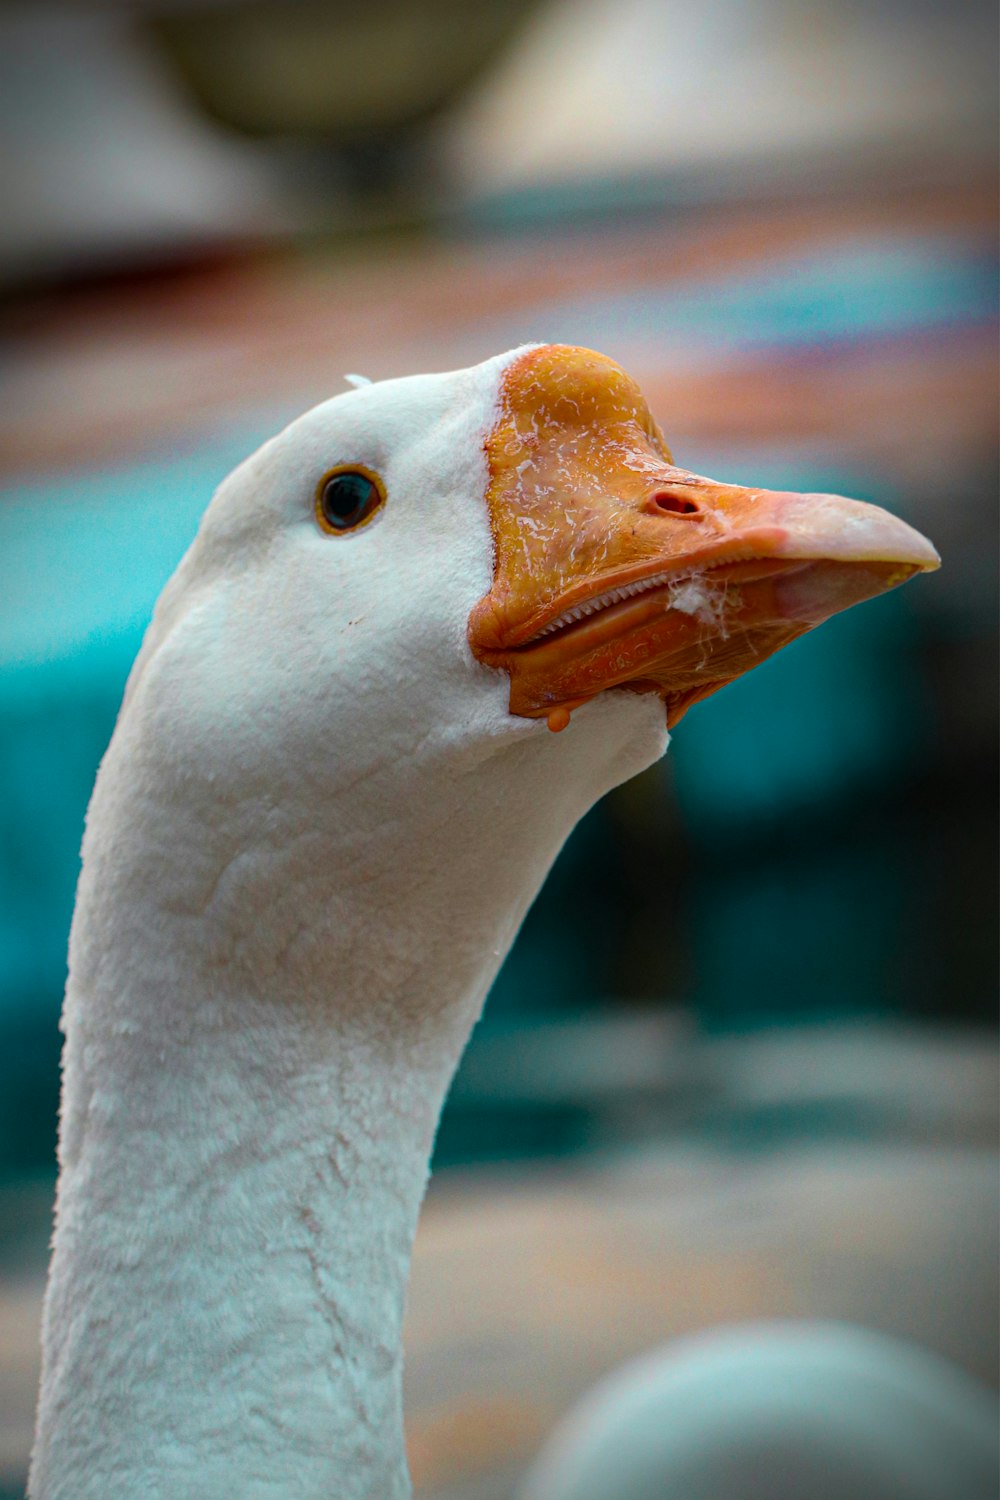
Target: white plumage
[[312, 840]]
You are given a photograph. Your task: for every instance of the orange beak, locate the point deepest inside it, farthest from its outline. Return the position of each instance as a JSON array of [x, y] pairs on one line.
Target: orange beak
[[615, 568]]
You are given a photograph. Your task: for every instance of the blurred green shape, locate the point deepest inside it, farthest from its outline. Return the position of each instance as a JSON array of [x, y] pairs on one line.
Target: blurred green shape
[[842, 706]]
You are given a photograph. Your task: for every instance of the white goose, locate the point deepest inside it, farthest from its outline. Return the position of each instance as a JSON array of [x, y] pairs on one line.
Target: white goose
[[330, 797]]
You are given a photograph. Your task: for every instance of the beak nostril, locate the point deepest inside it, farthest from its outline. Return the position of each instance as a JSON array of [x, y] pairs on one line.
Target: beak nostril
[[670, 504]]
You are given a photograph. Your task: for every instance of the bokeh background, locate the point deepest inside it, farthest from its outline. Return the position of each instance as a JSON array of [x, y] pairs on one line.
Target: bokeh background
[[742, 1059]]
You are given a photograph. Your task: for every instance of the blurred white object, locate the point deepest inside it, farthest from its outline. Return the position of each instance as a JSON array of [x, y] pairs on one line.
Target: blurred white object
[[597, 89], [780, 1411], [104, 161]]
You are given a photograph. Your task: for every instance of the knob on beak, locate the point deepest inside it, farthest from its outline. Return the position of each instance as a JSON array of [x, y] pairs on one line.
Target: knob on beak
[[616, 568]]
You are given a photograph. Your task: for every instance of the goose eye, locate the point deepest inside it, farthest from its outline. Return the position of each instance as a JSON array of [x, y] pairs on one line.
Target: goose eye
[[347, 498]]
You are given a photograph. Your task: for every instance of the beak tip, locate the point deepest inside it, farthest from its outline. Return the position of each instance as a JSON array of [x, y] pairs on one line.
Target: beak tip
[[853, 531]]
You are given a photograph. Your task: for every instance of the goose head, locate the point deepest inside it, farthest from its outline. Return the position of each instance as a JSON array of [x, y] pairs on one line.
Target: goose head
[[424, 573]]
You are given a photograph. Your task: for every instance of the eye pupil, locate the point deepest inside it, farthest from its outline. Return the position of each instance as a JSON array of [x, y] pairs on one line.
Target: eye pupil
[[348, 499]]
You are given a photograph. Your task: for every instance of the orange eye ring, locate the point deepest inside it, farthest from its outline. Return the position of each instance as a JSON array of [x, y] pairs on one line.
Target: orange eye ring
[[347, 498]]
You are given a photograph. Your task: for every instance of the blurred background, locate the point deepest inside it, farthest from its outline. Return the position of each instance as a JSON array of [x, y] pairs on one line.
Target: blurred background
[[742, 1060]]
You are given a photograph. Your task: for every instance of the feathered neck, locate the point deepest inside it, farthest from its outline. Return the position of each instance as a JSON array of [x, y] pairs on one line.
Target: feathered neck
[[266, 1005]]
